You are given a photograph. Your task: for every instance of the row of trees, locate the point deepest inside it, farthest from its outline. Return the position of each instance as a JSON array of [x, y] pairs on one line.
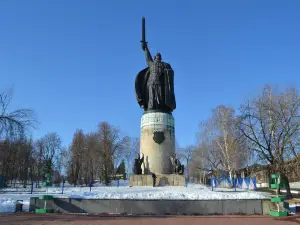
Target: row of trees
[[265, 130], [21, 158], [96, 155]]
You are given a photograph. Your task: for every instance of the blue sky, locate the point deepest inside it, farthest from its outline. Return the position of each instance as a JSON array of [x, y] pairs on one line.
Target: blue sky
[[74, 62]]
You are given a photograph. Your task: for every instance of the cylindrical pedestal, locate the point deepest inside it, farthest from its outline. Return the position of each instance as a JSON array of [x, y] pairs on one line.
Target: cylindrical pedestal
[[157, 142]]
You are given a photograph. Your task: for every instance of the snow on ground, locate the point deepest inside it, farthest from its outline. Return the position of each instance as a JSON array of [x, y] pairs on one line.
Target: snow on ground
[[295, 185], [192, 192], [6, 204], [175, 193]]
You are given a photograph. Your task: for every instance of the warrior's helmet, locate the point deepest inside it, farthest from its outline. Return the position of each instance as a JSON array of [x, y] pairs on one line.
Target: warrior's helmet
[[157, 56]]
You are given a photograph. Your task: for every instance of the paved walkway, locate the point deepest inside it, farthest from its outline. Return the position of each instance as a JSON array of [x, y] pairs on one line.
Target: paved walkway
[[34, 219]]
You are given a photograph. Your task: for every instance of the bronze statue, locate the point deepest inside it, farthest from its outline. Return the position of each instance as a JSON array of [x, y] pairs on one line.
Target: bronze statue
[[154, 85], [178, 167], [138, 164]]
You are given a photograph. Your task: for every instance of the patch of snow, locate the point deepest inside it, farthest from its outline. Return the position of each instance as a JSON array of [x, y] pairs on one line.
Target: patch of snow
[[192, 192], [175, 193], [7, 204], [295, 185], [8, 201]]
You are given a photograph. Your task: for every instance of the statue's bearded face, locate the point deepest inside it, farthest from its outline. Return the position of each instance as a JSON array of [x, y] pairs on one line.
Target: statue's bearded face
[[158, 57]]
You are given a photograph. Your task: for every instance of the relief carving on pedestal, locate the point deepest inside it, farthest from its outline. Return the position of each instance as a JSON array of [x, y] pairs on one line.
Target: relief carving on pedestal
[[158, 137]]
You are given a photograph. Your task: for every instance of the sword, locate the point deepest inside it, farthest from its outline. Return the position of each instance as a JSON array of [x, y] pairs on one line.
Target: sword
[[143, 31]]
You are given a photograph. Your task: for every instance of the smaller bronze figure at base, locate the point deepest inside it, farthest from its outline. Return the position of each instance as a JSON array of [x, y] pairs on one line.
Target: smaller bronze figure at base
[[137, 169], [178, 167]]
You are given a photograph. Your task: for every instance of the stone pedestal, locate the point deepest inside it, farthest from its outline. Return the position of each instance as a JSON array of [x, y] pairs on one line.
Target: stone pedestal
[[161, 180], [157, 142]]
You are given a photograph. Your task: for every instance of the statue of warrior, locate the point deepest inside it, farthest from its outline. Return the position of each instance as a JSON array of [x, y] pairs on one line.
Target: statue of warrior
[[154, 85]]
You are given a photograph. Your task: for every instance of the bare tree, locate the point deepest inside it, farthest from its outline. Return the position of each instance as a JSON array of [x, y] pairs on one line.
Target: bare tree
[[185, 154], [206, 159], [271, 123], [92, 159], [51, 146], [130, 152], [213, 159], [64, 160], [17, 122], [197, 161], [112, 147], [16, 161], [222, 135], [96, 154], [48, 149], [77, 153]]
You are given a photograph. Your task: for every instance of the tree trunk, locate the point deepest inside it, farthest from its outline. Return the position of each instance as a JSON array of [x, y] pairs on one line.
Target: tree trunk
[[231, 177], [106, 178], [286, 184]]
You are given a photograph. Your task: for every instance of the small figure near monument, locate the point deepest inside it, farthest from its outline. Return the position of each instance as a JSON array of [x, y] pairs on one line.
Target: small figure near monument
[[154, 179], [138, 164]]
